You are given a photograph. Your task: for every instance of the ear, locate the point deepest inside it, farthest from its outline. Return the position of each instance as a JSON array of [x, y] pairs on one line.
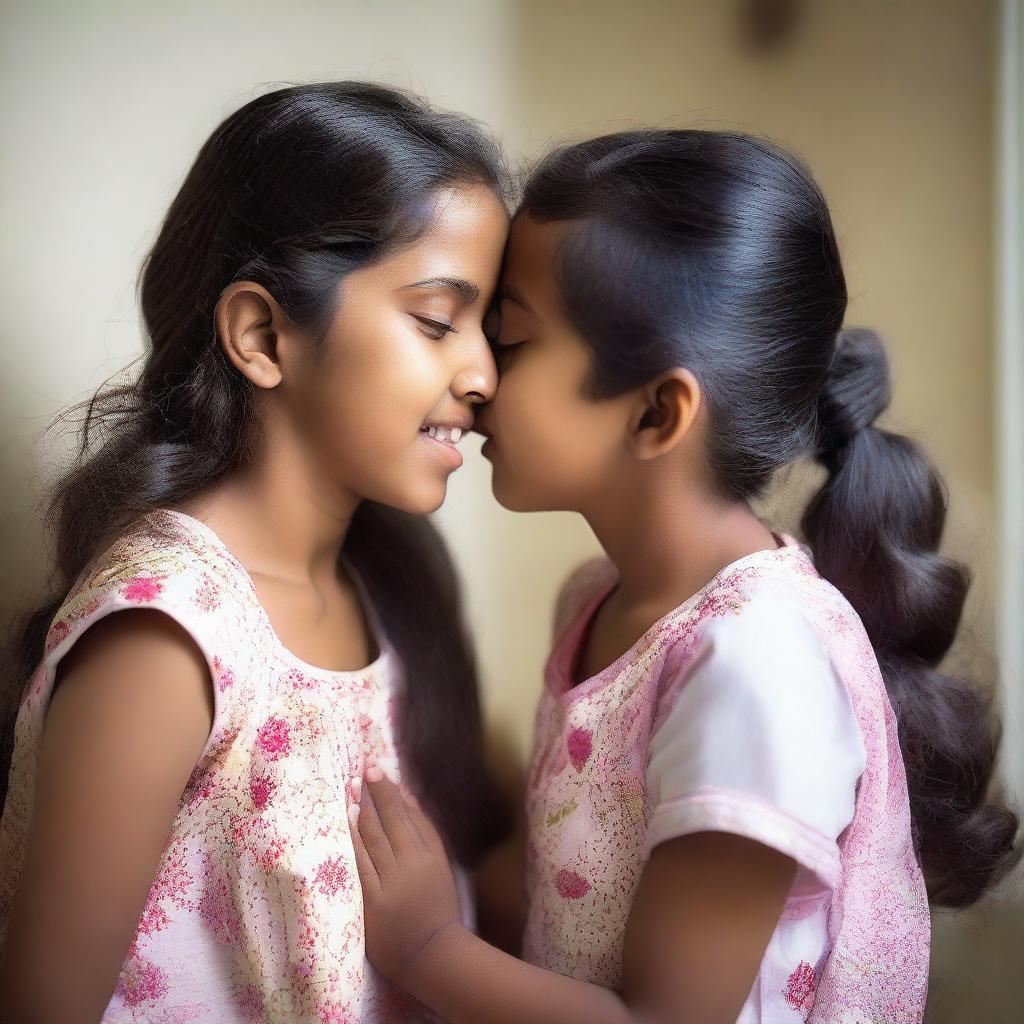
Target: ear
[[665, 412], [249, 321]]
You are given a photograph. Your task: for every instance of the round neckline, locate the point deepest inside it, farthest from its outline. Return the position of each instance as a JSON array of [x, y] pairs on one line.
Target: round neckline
[[366, 606], [558, 675]]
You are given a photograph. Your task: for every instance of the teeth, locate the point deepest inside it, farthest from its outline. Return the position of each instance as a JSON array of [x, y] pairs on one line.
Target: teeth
[[451, 434]]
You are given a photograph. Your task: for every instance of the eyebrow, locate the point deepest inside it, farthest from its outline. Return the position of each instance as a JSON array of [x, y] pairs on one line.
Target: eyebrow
[[512, 295], [467, 292]]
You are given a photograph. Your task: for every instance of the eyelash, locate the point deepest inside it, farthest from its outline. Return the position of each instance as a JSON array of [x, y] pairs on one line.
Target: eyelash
[[435, 325], [502, 351]]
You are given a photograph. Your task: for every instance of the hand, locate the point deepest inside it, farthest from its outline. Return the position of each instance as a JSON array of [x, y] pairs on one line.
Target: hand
[[409, 893]]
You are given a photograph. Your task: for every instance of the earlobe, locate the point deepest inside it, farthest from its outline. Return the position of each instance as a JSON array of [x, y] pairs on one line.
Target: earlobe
[[247, 319], [667, 409]]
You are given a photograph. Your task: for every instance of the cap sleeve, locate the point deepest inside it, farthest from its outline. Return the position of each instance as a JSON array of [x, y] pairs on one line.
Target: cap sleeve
[[172, 573], [758, 739]]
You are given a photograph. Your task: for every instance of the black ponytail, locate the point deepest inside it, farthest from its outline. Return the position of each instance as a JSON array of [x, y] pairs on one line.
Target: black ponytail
[[874, 528]]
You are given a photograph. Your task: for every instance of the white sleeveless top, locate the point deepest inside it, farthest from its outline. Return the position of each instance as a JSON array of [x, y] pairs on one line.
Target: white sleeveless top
[[255, 913]]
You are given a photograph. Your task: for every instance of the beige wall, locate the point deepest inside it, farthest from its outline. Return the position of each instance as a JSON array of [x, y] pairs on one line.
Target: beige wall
[[890, 101]]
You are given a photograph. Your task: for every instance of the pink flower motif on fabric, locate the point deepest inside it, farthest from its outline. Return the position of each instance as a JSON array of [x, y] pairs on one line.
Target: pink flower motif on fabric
[[331, 876], [274, 738], [171, 885], [142, 588], [800, 987], [723, 600], [262, 789], [270, 854], [333, 1013], [297, 680], [140, 981], [59, 632], [207, 596], [225, 677], [570, 885], [217, 909], [579, 744]]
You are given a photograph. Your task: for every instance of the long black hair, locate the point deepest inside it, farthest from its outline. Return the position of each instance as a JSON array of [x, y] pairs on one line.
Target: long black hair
[[294, 191], [716, 251]]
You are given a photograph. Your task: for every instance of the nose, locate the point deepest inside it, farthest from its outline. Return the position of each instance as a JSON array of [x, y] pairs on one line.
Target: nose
[[477, 379]]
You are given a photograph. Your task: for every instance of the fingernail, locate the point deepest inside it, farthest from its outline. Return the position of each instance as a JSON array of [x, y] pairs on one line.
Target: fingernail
[[374, 773]]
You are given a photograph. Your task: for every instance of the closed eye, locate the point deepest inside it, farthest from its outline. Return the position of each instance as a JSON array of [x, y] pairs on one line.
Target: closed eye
[[503, 351], [435, 329]]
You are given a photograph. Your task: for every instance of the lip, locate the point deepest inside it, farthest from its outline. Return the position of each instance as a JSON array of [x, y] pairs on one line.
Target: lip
[[444, 451]]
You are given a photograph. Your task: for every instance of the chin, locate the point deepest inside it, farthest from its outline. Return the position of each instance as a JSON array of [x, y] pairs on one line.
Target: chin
[[515, 501], [425, 500]]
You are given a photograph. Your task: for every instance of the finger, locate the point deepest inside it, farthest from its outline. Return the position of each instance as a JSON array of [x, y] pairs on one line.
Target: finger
[[427, 830], [394, 814], [373, 835], [368, 878]]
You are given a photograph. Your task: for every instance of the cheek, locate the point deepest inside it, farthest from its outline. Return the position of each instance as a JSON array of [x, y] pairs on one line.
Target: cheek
[[362, 411], [548, 442]]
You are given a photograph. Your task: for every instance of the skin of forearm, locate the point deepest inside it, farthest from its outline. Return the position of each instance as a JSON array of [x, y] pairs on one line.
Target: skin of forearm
[[501, 897], [466, 981]]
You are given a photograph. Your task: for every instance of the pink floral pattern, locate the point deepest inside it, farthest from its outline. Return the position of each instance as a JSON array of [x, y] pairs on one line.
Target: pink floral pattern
[[799, 991], [274, 738], [254, 914], [579, 744], [142, 589], [875, 923], [570, 885]]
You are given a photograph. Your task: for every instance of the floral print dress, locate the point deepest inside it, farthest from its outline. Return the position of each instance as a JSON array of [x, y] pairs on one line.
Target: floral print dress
[[255, 913], [755, 708]]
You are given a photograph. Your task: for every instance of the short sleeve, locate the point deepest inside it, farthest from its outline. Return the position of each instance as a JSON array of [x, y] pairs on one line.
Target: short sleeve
[[759, 740]]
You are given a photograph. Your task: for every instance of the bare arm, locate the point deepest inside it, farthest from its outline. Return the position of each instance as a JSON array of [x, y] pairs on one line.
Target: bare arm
[[125, 727]]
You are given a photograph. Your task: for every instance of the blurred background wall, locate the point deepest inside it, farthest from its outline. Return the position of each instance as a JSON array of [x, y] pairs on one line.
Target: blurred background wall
[[891, 102]]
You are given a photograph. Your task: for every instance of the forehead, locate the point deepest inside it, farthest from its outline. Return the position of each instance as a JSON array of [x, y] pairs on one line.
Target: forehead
[[464, 236], [532, 257], [462, 214]]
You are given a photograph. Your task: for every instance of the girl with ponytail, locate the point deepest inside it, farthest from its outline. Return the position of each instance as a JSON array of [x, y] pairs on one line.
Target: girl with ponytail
[[750, 775], [249, 604]]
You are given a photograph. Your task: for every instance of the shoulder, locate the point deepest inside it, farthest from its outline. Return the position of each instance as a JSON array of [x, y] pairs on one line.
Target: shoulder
[[758, 724], [757, 640], [163, 563], [581, 586], [101, 673], [765, 622]]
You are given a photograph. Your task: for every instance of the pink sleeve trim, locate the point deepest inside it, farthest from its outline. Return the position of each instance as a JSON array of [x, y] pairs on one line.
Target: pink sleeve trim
[[723, 810]]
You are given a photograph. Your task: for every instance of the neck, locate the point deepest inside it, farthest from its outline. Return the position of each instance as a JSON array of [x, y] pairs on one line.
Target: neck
[[668, 541], [280, 520]]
